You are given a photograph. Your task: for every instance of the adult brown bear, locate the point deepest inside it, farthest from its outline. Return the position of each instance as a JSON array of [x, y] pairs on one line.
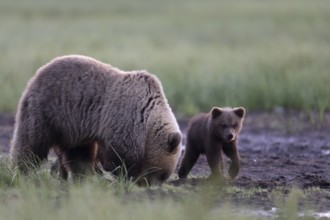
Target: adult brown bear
[[86, 111]]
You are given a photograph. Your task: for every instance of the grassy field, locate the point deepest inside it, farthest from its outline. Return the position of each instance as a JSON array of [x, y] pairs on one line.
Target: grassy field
[[41, 196], [257, 54], [252, 53]]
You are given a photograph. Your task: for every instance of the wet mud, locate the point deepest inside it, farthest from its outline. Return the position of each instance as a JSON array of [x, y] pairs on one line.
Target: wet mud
[[279, 151]]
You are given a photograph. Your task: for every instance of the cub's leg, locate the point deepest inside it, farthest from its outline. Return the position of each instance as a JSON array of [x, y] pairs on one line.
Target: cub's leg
[[189, 159], [230, 149], [215, 161]]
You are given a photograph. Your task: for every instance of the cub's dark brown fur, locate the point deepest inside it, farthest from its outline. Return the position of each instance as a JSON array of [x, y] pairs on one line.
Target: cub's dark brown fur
[[211, 134]]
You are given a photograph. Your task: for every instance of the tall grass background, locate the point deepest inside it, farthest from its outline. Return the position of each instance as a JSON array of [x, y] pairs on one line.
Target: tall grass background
[[257, 54]]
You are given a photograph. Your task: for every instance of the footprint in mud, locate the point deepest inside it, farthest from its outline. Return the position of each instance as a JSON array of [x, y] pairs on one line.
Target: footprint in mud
[[290, 162], [311, 180]]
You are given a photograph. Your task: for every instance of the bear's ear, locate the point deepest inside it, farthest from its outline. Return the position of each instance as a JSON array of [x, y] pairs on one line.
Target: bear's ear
[[240, 112], [173, 141], [215, 112]]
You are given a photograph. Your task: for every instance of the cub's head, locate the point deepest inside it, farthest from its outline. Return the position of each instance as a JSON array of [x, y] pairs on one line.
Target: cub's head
[[226, 123]]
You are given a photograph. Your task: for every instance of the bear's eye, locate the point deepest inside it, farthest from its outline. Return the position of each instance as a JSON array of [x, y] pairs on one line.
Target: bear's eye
[[223, 125]]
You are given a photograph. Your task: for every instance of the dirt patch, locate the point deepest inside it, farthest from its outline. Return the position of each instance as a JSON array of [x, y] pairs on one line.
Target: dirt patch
[[279, 150]]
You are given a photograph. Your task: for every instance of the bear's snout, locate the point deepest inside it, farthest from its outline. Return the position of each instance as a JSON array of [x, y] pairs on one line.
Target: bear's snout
[[230, 137]]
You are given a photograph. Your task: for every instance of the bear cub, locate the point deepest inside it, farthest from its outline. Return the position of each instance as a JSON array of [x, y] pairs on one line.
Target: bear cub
[[211, 134]]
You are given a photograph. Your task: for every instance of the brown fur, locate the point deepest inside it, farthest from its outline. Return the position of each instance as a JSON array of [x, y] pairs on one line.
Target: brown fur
[[211, 134], [87, 110]]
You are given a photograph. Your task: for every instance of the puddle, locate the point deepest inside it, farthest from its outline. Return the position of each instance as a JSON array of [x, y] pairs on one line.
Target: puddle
[[322, 214], [325, 152], [275, 213]]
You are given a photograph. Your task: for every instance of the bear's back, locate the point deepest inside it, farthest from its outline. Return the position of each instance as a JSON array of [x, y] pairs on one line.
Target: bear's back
[[80, 97]]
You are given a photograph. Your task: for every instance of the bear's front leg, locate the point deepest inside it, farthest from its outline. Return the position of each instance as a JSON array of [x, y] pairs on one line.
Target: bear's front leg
[[230, 149], [215, 161], [189, 159]]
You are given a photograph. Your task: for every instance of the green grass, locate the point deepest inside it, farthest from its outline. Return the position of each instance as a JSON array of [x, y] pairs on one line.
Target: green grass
[[40, 196], [257, 54]]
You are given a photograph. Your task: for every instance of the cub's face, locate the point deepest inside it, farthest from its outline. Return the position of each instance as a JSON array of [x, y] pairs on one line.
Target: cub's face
[[226, 123]]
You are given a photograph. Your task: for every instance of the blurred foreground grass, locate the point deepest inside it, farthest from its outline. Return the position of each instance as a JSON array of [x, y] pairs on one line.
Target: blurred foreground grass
[[40, 196], [257, 54]]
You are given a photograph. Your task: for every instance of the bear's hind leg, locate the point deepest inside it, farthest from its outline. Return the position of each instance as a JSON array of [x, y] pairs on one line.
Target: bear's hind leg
[[29, 149], [32, 137]]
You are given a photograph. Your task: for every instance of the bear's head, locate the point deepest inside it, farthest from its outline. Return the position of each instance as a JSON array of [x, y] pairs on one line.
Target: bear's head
[[162, 149], [226, 123], [162, 136]]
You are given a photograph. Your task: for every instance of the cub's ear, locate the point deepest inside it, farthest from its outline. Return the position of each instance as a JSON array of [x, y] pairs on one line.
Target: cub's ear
[[173, 141], [240, 112], [215, 112]]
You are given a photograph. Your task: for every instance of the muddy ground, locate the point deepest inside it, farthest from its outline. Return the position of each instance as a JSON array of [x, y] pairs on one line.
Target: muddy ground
[[279, 150]]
